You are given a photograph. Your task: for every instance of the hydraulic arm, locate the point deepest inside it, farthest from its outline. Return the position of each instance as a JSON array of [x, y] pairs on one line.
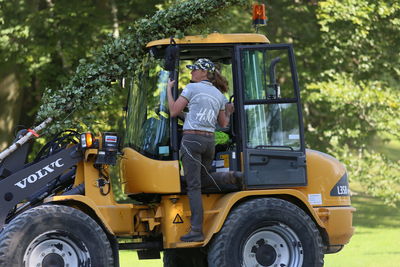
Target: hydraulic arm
[[26, 183]]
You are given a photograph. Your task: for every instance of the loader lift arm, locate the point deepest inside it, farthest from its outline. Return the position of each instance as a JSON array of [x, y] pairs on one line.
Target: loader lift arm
[[29, 181]]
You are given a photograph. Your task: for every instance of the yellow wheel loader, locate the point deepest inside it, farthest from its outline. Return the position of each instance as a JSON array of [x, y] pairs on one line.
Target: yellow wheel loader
[[292, 206]]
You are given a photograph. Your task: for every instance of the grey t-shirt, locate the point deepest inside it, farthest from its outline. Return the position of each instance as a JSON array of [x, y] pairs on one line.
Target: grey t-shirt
[[205, 102]]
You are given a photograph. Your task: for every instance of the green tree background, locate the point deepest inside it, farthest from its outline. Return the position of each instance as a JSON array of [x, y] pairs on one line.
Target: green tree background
[[347, 54]]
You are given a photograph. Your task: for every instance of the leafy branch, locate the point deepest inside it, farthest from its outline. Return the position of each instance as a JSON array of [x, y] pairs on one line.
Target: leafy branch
[[91, 86]]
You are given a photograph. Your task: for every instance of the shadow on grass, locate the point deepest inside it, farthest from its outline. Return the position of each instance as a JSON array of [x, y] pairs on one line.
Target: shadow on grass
[[372, 213]]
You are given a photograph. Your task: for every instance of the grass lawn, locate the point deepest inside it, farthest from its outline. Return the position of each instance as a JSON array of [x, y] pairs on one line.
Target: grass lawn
[[377, 238], [375, 243], [130, 259]]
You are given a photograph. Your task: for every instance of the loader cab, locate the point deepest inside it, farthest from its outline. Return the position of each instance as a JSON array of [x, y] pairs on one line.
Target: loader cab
[[265, 139]]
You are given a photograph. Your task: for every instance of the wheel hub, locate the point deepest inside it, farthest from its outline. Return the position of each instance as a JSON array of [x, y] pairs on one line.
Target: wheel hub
[[53, 260], [56, 249], [274, 245], [265, 254]]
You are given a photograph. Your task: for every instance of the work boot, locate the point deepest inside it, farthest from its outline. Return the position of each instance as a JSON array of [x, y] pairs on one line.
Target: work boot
[[193, 236]]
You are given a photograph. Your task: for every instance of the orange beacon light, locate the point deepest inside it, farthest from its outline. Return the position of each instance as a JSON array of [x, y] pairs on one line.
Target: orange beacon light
[[259, 17]]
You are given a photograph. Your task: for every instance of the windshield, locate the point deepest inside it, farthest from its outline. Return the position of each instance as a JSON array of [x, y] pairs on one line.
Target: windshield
[[147, 115]]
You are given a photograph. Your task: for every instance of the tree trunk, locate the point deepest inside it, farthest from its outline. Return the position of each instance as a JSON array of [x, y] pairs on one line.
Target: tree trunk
[[114, 13], [11, 96]]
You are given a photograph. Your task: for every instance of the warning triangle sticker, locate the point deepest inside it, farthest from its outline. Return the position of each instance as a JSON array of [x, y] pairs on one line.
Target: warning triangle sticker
[[178, 219]]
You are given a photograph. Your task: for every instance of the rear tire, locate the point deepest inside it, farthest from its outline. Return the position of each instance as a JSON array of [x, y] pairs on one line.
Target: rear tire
[[54, 235], [267, 232], [185, 257]]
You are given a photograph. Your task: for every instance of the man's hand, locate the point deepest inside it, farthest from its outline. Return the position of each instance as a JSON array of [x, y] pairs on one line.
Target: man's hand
[[170, 84]]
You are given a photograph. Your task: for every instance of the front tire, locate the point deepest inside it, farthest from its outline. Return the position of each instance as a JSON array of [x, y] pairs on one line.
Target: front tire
[[54, 235], [267, 232]]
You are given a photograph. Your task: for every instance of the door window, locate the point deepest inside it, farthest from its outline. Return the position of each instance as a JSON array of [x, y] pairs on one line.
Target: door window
[[272, 126], [270, 104], [267, 75]]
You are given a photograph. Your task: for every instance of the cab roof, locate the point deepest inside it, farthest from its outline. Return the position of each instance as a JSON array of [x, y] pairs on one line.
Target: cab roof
[[215, 38]]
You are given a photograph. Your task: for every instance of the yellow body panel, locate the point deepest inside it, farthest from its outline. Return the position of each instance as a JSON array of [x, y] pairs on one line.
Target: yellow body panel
[[171, 217], [216, 209], [323, 172], [215, 38], [333, 213], [336, 213], [338, 223], [141, 174], [116, 218]]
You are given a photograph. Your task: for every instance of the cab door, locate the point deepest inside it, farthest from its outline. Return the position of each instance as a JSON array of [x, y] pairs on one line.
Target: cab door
[[271, 129]]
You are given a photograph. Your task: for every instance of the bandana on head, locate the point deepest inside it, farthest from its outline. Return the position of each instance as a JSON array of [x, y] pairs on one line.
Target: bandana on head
[[202, 64]]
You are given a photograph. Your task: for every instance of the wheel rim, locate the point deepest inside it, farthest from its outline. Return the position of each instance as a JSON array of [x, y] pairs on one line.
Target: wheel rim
[[275, 245], [56, 249]]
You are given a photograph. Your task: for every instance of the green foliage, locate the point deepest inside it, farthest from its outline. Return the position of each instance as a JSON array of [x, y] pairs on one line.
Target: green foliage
[[91, 86], [355, 98], [363, 37], [343, 117], [41, 41], [379, 176], [221, 138], [349, 112]]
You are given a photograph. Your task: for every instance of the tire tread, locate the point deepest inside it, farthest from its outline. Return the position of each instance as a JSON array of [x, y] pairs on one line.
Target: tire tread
[[17, 225], [216, 255]]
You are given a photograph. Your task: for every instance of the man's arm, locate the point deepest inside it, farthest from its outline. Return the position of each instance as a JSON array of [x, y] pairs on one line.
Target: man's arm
[[224, 115], [175, 107]]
